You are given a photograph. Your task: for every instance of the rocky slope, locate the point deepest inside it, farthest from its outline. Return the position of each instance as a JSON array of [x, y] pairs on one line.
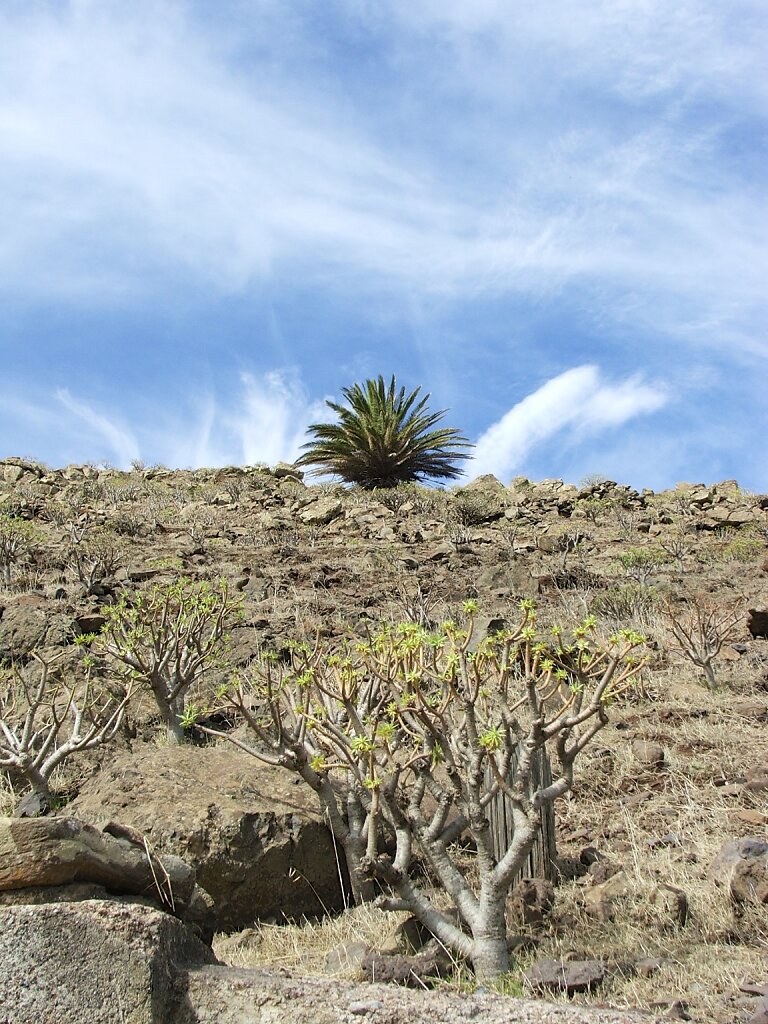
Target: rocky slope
[[681, 770]]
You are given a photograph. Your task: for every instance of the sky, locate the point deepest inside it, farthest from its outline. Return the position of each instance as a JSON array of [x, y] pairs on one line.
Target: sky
[[551, 217]]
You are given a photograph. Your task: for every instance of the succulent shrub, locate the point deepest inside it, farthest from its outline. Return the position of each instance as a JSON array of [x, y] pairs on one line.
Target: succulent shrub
[[167, 638], [47, 715], [411, 735]]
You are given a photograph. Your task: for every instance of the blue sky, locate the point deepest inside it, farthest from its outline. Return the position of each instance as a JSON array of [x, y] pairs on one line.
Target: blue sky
[[551, 216]]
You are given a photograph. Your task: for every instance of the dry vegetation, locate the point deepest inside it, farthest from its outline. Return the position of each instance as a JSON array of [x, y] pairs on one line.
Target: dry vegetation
[[307, 560]]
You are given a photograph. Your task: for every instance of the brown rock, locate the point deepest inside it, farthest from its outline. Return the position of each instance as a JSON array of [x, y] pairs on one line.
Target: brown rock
[[741, 867], [757, 622], [565, 975], [252, 833], [346, 957], [57, 851], [651, 755], [406, 970], [599, 899], [322, 511], [673, 902], [28, 623], [531, 901]]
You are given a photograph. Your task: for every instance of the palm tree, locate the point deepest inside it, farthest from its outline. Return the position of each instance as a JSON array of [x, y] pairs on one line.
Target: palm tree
[[384, 438]]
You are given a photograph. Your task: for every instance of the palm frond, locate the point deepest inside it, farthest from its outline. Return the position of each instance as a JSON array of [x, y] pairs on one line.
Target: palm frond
[[384, 437]]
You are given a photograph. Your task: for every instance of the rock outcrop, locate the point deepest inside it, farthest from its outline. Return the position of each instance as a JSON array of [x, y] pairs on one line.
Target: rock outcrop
[[252, 833]]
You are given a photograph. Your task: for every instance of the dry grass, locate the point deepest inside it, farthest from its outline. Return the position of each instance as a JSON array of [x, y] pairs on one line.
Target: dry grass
[[304, 946], [7, 797]]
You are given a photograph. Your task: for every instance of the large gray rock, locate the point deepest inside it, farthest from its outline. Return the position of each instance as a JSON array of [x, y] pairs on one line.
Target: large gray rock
[[322, 511], [252, 833], [228, 995], [98, 961], [53, 859]]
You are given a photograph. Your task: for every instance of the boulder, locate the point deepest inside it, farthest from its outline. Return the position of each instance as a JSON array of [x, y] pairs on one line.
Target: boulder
[[287, 471], [741, 867], [757, 622], [486, 482], [252, 833], [41, 852], [647, 754], [565, 975], [229, 995], [322, 511], [27, 623], [97, 961]]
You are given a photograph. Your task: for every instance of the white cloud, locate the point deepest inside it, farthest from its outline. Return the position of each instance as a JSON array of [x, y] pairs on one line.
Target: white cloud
[[120, 440], [135, 148], [577, 400], [264, 420], [273, 418]]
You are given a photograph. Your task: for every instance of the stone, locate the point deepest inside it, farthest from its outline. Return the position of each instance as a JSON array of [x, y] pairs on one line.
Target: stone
[[750, 817], [647, 966], [32, 805], [57, 851], [27, 624], [346, 957], [229, 995], [133, 956], [760, 1013], [599, 899], [757, 622], [741, 867], [410, 971], [672, 901], [285, 471], [757, 780], [321, 512], [486, 482], [565, 975], [601, 870], [674, 1008], [253, 833], [531, 901], [651, 755]]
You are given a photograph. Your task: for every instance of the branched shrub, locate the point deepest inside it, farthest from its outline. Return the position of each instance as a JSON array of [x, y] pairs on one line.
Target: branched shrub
[[642, 564], [743, 549], [95, 559], [17, 540], [701, 629], [411, 735], [633, 603], [167, 638], [45, 719]]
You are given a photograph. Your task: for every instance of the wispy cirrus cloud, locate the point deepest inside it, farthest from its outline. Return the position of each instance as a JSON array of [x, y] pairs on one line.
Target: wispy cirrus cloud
[[141, 146], [580, 402], [119, 439], [263, 419]]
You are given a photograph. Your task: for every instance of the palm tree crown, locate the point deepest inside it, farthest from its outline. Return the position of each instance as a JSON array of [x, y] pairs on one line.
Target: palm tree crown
[[383, 438]]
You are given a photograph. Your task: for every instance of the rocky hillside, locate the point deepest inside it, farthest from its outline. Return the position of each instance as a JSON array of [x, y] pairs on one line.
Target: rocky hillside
[[681, 770]]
